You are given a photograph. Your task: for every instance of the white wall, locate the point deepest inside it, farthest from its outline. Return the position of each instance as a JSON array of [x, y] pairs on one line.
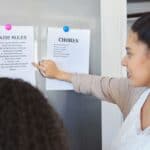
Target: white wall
[[138, 7], [135, 8], [113, 37]]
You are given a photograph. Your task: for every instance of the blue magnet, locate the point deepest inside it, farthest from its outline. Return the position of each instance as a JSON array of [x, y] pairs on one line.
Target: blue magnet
[[66, 29]]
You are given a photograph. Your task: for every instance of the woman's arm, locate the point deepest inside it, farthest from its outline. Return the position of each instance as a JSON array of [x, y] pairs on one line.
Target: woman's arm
[[106, 88], [114, 90]]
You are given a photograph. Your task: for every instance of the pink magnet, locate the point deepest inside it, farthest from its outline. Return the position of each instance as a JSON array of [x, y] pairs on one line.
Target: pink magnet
[[8, 27]]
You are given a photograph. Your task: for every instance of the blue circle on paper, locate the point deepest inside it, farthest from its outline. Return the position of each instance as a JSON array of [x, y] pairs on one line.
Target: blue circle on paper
[[66, 29]]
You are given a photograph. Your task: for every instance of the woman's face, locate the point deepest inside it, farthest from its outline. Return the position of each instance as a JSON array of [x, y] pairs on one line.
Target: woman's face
[[137, 61]]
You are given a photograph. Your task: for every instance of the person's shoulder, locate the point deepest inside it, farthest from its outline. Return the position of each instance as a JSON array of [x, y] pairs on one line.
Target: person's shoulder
[[137, 91], [125, 83], [119, 82], [134, 94]]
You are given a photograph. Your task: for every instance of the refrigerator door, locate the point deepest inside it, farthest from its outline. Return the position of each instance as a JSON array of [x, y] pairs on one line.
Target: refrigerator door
[[81, 114]]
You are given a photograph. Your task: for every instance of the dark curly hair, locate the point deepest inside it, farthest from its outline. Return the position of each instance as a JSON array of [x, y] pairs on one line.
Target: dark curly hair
[[142, 28], [27, 121]]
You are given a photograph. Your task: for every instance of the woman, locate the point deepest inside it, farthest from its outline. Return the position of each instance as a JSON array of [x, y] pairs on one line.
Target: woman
[[131, 94], [27, 121]]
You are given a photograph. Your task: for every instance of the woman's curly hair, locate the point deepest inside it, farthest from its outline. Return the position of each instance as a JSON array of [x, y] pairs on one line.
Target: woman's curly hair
[[27, 121]]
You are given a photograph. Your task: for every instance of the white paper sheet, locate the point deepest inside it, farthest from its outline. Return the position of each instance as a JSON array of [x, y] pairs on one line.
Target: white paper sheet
[[17, 53], [70, 51]]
